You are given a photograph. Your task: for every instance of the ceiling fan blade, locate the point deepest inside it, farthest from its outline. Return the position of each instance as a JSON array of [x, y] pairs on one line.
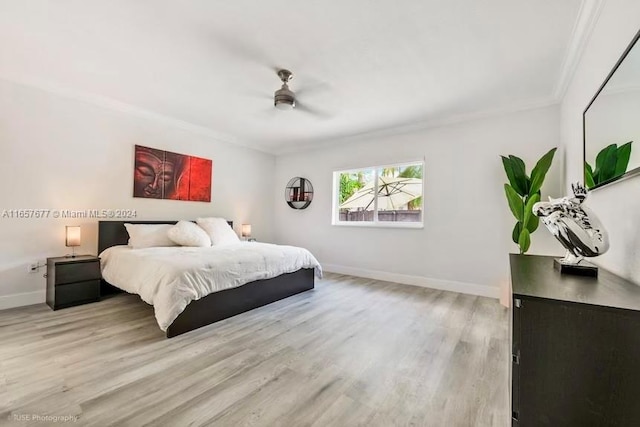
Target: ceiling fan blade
[[306, 89], [258, 95], [313, 111], [248, 52]]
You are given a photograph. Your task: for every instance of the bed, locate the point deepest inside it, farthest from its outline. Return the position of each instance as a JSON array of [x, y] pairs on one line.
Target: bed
[[215, 306]]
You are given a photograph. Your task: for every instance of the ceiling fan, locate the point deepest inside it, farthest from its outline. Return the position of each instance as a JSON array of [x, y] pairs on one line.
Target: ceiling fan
[[285, 99]]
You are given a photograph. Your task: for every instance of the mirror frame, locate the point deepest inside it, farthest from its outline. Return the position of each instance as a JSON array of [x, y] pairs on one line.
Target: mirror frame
[[631, 172]]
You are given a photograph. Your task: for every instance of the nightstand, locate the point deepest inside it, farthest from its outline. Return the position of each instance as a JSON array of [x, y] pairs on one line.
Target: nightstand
[[72, 281]]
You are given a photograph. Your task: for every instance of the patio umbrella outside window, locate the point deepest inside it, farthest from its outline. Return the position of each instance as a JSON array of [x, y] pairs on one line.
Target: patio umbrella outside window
[[393, 194]]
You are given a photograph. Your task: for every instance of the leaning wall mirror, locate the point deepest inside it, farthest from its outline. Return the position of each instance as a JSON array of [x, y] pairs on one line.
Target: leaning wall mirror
[[612, 124]]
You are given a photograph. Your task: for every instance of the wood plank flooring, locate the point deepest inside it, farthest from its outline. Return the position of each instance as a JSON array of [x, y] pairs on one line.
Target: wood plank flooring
[[352, 352]]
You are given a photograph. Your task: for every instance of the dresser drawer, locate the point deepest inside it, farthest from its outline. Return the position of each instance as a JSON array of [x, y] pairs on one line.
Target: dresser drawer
[[77, 293], [77, 272]]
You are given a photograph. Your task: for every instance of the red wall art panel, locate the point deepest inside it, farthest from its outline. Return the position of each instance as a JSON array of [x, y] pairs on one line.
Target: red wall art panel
[[162, 174]]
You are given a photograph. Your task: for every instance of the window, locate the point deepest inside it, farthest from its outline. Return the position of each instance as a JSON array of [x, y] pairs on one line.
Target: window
[[379, 196]]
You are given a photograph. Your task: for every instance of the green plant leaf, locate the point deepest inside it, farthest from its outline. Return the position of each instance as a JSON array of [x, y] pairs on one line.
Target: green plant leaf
[[515, 234], [588, 176], [533, 224], [507, 163], [528, 208], [622, 162], [524, 241], [606, 164], [515, 202], [539, 171], [520, 175]]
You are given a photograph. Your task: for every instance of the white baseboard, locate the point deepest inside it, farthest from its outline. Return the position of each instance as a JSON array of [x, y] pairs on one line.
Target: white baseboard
[[425, 282], [39, 297], [19, 300]]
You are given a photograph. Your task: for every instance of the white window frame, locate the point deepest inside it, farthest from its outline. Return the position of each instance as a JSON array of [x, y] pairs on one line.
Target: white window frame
[[335, 211]]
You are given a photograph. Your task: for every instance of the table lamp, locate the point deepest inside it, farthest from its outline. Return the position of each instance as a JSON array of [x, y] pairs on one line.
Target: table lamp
[[72, 238], [246, 231]]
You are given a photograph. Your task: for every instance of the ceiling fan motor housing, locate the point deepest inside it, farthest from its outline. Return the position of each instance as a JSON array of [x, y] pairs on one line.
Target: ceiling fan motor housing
[[284, 98]]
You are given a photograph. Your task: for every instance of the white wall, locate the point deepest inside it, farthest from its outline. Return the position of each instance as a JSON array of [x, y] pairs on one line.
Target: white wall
[[466, 238], [59, 153], [617, 205]]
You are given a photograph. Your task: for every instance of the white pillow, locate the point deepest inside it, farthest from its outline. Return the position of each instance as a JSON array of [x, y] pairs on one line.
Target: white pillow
[[218, 230], [187, 233], [148, 235]]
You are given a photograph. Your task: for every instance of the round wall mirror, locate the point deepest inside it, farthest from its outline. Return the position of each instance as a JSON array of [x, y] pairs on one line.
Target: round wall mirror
[[298, 193]]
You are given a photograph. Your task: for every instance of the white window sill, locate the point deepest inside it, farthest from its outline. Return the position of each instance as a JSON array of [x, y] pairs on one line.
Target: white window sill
[[382, 224]]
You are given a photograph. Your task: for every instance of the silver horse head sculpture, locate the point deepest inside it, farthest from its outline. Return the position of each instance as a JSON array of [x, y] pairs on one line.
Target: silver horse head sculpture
[[574, 225]]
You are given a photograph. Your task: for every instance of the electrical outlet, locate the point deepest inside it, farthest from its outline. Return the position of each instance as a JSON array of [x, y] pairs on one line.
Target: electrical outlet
[[33, 267]]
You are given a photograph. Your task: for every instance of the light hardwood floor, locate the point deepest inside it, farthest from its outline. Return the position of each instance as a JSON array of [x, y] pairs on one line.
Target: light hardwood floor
[[351, 352]]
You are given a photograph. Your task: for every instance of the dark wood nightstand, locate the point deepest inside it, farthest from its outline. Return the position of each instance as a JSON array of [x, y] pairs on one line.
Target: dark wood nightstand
[[72, 281]]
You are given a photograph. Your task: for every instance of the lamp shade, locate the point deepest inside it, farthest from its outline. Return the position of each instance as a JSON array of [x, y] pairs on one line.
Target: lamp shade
[[72, 235], [246, 230]]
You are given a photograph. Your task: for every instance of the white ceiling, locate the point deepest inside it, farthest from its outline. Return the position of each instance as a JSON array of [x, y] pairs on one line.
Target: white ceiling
[[365, 65]]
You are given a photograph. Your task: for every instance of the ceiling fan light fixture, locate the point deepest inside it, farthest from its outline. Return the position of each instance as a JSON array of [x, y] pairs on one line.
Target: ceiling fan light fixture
[[284, 99], [282, 105]]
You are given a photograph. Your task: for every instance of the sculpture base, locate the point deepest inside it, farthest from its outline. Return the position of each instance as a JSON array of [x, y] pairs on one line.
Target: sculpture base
[[583, 268]]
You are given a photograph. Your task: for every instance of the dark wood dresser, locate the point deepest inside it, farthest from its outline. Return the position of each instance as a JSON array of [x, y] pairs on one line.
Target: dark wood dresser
[[72, 281], [575, 347]]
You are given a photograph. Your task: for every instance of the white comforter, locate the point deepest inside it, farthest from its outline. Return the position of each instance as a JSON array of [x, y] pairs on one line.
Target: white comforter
[[171, 277]]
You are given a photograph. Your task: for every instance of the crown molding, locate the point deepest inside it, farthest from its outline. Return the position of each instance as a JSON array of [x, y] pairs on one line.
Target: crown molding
[[128, 109], [125, 108], [417, 126], [583, 27]]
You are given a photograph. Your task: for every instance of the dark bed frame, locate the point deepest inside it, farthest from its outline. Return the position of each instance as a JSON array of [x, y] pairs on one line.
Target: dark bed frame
[[218, 305]]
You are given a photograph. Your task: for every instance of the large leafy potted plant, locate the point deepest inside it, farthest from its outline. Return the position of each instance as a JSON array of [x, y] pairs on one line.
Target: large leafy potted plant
[[522, 193]]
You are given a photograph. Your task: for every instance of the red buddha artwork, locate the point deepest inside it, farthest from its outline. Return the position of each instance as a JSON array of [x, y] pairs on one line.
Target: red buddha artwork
[[162, 174]]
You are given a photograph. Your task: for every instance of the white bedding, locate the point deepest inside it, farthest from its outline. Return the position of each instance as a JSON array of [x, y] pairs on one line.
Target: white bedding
[[171, 277]]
